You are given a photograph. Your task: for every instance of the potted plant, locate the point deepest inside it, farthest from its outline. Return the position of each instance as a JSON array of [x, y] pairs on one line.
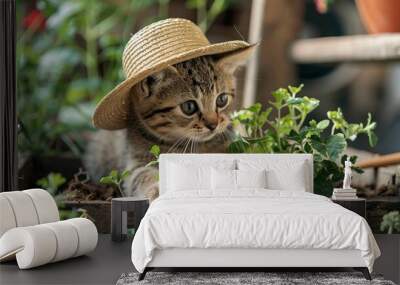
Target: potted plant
[[380, 16], [81, 197], [290, 131], [95, 198], [377, 16]]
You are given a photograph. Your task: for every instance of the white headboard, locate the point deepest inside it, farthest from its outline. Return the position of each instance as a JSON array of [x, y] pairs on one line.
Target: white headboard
[[209, 159]]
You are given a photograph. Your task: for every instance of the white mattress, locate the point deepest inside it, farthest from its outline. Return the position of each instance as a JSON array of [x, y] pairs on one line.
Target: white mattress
[[252, 219]]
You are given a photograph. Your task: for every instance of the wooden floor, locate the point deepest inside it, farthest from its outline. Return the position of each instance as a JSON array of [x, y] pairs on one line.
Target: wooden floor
[[111, 259], [103, 266]]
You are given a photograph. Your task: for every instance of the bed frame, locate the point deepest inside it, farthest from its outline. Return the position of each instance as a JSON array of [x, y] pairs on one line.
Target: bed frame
[[242, 259], [250, 259]]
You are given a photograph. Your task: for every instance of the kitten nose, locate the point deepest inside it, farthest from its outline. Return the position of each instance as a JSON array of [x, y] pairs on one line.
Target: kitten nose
[[211, 126], [210, 121]]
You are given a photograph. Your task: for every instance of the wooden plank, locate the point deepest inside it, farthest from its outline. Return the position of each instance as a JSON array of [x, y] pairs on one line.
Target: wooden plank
[[255, 36], [357, 48], [380, 161]]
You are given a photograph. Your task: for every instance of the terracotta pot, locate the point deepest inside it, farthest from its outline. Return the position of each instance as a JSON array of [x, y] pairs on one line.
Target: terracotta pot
[[380, 16]]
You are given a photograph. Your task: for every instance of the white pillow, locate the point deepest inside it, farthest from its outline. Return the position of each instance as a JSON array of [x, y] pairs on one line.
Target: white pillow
[[251, 178], [227, 179], [281, 174], [297, 181], [223, 179], [183, 177]]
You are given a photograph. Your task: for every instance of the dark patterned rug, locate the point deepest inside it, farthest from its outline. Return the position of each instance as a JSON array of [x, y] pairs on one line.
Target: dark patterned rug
[[269, 278]]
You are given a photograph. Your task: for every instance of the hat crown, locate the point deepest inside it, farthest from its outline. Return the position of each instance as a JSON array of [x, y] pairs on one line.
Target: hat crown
[[160, 41]]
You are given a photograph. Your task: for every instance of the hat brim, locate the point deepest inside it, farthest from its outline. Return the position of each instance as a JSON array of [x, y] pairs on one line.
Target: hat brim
[[112, 111]]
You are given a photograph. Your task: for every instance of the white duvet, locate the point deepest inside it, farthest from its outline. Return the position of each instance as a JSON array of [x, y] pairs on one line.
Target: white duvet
[[250, 219]]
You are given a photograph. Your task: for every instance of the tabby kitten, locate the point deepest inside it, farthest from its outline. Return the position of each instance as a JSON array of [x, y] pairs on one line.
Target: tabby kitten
[[184, 108]]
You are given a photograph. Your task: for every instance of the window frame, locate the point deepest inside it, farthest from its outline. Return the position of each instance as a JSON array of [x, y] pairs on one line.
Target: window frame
[[8, 97]]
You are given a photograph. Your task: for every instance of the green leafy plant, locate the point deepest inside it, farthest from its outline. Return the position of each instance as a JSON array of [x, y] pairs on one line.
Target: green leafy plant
[[52, 182], [391, 222], [290, 132], [155, 151], [116, 179]]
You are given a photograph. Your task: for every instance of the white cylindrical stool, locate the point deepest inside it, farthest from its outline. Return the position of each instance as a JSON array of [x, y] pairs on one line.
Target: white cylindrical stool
[[40, 244]]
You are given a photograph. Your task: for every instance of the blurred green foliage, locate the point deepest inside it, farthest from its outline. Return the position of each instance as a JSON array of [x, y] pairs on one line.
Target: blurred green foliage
[[391, 222], [52, 182], [207, 14], [71, 58], [289, 132]]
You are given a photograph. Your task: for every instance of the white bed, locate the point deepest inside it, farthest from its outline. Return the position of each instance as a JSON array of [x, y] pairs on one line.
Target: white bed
[[281, 224]]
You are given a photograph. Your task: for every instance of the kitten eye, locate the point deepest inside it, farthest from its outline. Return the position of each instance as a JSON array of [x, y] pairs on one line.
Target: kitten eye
[[222, 100], [189, 107]]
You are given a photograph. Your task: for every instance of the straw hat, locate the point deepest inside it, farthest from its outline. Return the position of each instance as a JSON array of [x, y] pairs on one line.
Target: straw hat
[[149, 51]]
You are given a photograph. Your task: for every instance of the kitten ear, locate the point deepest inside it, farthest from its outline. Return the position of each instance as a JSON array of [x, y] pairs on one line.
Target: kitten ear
[[162, 75], [231, 61], [155, 80]]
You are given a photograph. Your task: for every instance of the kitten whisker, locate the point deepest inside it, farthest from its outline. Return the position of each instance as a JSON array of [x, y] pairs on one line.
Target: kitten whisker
[[175, 144], [224, 140], [193, 142], [191, 145], [221, 137], [230, 135], [240, 35], [197, 145], [186, 145], [182, 145]]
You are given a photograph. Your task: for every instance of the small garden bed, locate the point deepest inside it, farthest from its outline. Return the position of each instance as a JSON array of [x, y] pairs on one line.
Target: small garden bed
[[75, 194], [92, 199], [97, 211]]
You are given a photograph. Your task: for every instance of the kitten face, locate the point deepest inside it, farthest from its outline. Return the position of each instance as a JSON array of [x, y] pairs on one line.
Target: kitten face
[[189, 100]]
